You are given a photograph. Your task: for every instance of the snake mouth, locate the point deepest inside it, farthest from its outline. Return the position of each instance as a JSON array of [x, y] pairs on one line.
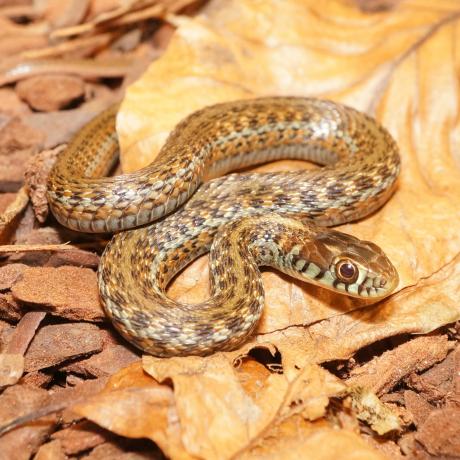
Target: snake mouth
[[376, 287]]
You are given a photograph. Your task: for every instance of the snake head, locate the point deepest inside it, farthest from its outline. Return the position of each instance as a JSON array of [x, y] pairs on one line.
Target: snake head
[[343, 263]]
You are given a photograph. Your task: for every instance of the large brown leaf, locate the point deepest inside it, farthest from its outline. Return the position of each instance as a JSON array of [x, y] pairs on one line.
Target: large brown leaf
[[400, 65]]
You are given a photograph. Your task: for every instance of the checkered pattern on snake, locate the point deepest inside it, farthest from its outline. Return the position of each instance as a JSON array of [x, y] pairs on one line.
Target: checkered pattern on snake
[[245, 220]]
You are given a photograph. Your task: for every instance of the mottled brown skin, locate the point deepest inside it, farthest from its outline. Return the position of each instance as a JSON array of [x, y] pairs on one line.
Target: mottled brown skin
[[362, 165]]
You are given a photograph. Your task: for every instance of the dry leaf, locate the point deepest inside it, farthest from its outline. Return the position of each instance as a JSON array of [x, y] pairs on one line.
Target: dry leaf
[[271, 399], [398, 65], [136, 406], [220, 417], [370, 64], [296, 438]]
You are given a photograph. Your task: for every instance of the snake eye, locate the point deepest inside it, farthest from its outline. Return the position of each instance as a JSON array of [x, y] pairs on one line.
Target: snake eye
[[346, 271]]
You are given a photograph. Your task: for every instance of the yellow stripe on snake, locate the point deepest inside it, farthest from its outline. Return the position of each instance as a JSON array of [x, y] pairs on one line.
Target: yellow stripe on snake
[[245, 220]]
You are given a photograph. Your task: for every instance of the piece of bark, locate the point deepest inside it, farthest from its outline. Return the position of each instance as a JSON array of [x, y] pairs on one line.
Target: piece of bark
[[386, 446], [393, 398], [110, 450], [37, 379], [106, 363], [11, 215], [61, 126], [417, 406], [43, 235], [439, 383], [36, 177], [440, 432], [11, 46], [373, 6], [51, 451], [24, 332], [10, 309], [384, 372], [163, 36], [5, 200], [57, 343], [82, 436], [409, 446], [6, 329], [15, 402], [12, 168], [75, 257], [11, 104], [71, 395], [16, 136], [9, 274], [26, 222], [73, 380], [48, 93], [36, 236], [12, 356], [456, 376], [442, 375], [69, 292], [65, 14]]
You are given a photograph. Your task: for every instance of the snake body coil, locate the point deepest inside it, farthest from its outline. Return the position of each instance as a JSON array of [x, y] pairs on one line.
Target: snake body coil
[[246, 220]]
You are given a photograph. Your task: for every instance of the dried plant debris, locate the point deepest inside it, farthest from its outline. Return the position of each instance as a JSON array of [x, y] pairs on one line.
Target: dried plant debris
[[324, 375]]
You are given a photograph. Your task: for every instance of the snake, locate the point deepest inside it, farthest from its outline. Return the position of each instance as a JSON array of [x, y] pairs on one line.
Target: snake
[[187, 203]]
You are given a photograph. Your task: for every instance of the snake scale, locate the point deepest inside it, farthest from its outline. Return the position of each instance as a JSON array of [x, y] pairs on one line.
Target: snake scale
[[245, 220]]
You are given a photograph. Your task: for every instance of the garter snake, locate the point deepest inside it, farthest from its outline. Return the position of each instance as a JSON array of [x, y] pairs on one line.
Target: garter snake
[[245, 220]]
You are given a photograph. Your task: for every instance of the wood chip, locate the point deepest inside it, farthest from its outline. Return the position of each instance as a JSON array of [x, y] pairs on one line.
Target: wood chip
[[24, 332], [21, 400], [37, 379], [54, 344], [11, 104], [12, 166], [80, 437], [384, 372], [5, 200], [76, 257], [36, 177], [16, 136], [9, 274], [69, 292], [80, 392], [59, 127], [106, 363], [48, 93], [440, 432], [11, 214], [51, 451], [419, 407], [109, 451], [439, 383], [10, 310]]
